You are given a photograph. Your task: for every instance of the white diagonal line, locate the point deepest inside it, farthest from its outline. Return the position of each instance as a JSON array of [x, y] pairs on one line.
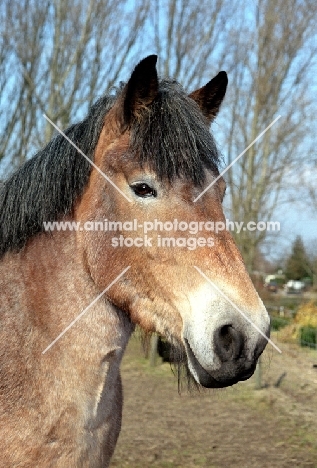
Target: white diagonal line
[[85, 310], [239, 310], [235, 160], [86, 157]]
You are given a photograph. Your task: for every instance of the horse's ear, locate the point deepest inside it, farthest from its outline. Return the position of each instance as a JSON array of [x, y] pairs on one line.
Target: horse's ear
[[140, 91], [210, 96]]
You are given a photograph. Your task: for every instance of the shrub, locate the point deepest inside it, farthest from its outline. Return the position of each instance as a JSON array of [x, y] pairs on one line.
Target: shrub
[[306, 315], [308, 336], [278, 322]]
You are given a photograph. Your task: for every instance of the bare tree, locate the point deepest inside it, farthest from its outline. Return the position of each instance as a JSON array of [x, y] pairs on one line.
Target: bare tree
[[274, 53], [9, 95], [66, 53], [191, 37], [308, 181]]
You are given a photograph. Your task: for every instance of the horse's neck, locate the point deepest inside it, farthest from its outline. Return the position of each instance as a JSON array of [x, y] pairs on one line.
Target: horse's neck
[[44, 288]]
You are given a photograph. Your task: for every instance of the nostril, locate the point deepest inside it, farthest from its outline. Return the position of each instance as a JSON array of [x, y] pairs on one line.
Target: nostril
[[226, 336], [228, 343]]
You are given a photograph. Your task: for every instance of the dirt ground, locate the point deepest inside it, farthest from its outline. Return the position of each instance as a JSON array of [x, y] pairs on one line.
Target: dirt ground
[[238, 427]]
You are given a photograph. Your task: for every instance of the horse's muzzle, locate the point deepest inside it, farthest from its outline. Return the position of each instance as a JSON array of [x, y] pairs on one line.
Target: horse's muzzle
[[232, 358]]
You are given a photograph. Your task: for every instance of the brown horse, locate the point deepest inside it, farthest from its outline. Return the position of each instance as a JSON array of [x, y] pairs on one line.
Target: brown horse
[[62, 408]]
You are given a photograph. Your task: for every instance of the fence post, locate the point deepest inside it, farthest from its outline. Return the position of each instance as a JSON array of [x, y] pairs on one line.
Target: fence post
[[258, 374], [153, 350]]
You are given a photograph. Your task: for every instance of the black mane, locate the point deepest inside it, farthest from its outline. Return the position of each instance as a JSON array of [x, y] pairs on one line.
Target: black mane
[[171, 137], [46, 187]]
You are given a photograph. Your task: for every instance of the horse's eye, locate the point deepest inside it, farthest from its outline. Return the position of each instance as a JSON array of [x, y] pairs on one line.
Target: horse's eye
[[143, 190]]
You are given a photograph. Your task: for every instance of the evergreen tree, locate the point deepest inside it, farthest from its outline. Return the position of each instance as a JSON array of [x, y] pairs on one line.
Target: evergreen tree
[[298, 264]]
